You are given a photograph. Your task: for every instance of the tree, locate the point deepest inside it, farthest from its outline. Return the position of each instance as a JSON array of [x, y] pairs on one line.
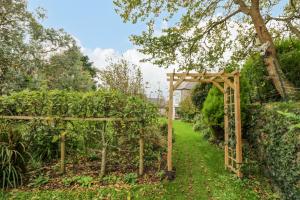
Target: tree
[[290, 17], [67, 71], [25, 45], [123, 76], [203, 36], [199, 94]]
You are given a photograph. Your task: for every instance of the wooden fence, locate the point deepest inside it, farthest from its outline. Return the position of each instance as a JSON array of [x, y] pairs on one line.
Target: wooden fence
[[94, 119]]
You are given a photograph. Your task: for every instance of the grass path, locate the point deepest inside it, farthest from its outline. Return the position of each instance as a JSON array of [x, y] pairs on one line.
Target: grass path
[[200, 174]]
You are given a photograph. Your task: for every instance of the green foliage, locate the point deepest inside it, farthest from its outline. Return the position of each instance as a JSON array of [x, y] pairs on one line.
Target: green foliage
[[111, 179], [254, 76], [83, 181], [39, 181], [130, 178], [187, 110], [41, 137], [274, 137], [199, 94], [289, 58], [123, 76], [12, 158], [69, 70], [254, 80], [25, 46], [213, 109], [213, 112]]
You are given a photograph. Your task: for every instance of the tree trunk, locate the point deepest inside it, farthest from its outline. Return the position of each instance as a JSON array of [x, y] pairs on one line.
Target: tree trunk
[[282, 85]]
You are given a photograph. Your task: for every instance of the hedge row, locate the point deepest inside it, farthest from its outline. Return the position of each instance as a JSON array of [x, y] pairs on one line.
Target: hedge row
[[25, 143], [273, 133], [76, 104]]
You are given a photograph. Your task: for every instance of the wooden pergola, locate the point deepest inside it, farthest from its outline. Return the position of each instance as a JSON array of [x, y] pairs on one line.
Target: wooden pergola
[[229, 85]]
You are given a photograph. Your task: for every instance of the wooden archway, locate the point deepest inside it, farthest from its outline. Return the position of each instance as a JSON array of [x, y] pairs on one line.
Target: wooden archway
[[229, 85]]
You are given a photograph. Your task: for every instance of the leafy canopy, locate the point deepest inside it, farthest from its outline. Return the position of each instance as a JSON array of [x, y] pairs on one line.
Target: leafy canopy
[[204, 34]]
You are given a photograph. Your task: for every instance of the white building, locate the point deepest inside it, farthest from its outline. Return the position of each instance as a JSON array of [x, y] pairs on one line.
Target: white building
[[180, 94]]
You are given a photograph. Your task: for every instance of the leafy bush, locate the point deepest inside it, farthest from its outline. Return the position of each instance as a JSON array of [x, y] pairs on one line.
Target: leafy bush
[[273, 135], [83, 181], [12, 158], [199, 94], [213, 112], [131, 178], [187, 109], [39, 181], [41, 137], [254, 76], [289, 58]]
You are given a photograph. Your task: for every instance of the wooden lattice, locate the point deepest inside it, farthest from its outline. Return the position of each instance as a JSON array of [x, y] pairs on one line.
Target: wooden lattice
[[229, 85]]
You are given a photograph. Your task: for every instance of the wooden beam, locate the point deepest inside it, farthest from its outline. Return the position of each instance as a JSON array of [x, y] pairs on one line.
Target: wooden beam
[[50, 118], [226, 126], [207, 74], [179, 81], [206, 80], [218, 86], [170, 126], [228, 82], [238, 126]]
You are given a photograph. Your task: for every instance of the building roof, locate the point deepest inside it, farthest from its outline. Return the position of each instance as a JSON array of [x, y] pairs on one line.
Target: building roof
[[186, 86]]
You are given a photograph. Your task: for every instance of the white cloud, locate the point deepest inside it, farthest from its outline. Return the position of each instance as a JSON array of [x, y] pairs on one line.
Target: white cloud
[[155, 76]]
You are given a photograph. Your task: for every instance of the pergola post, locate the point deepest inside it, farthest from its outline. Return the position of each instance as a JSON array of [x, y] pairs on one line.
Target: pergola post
[[226, 126], [238, 126], [231, 81], [170, 124]]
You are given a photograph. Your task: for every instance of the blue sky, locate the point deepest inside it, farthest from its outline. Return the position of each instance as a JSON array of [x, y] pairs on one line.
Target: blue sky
[[93, 22], [102, 33]]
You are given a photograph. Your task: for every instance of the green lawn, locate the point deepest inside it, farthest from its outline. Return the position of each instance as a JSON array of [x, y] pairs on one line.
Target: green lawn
[[200, 174]]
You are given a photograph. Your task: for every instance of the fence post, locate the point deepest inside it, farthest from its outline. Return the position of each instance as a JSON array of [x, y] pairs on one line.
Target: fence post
[[62, 152], [141, 165]]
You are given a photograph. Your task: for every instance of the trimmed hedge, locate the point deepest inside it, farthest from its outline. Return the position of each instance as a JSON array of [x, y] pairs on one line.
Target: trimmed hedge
[[39, 139], [273, 134]]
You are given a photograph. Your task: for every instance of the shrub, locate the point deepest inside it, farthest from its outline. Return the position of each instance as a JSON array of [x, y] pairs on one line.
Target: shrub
[[273, 136], [41, 137], [187, 109], [254, 75], [289, 58], [213, 112], [199, 94], [12, 158], [131, 178]]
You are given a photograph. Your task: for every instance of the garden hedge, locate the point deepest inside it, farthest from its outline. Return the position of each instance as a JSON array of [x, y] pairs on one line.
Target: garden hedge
[[273, 133], [39, 139]]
